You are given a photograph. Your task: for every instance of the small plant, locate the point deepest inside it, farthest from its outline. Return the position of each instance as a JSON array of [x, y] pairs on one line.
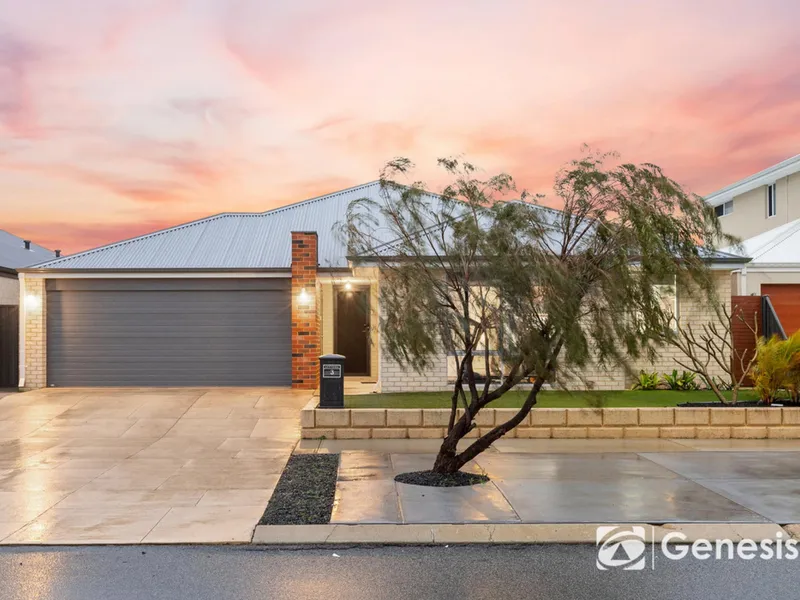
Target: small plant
[[683, 382], [646, 381], [777, 367]]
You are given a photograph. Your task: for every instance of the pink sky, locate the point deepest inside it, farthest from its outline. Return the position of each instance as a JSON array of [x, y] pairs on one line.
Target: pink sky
[[118, 117]]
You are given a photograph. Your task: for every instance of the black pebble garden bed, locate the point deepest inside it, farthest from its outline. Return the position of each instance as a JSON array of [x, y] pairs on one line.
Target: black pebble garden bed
[[745, 404], [431, 479], [305, 492]]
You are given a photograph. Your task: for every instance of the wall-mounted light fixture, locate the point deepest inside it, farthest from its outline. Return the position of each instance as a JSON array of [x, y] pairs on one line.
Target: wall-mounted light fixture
[[32, 302], [348, 286], [304, 297]]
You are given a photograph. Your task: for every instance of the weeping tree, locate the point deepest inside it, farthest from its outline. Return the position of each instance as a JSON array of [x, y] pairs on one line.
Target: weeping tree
[[514, 292]]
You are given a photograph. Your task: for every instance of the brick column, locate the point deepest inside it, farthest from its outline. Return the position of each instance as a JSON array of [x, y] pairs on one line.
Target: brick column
[[33, 300], [305, 322]]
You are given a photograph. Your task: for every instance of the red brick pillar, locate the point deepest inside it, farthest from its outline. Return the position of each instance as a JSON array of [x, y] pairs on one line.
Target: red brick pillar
[[305, 325]]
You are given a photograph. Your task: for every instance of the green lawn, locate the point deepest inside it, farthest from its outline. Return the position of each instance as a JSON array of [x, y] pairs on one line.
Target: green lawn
[[547, 399]]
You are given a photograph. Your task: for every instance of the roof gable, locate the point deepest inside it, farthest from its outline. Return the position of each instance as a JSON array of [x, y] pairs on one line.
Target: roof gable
[[766, 177]]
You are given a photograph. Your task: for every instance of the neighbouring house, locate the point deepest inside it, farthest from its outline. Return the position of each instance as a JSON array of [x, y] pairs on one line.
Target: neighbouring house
[[760, 202], [773, 273], [236, 299], [14, 253], [764, 211]]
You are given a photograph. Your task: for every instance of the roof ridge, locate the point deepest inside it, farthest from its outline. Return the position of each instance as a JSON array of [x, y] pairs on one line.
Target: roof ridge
[[318, 198]]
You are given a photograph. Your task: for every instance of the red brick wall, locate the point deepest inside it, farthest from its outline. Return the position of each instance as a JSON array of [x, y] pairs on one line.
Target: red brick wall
[[743, 309], [305, 324]]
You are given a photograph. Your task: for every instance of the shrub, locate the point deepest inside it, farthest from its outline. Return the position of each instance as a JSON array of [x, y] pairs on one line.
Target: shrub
[[646, 381], [777, 367], [683, 382]]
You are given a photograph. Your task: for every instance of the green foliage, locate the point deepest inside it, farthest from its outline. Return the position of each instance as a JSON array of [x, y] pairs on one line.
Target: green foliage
[[646, 381], [684, 382], [472, 274], [777, 367]]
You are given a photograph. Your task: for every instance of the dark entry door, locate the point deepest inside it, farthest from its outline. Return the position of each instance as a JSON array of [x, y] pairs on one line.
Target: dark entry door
[[9, 346], [352, 330]]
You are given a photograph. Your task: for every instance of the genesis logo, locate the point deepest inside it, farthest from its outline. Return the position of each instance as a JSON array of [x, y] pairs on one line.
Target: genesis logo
[[621, 548]]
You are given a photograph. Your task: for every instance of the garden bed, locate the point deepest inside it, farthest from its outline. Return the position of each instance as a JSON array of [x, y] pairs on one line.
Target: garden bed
[[431, 479], [740, 404], [305, 492], [550, 399]]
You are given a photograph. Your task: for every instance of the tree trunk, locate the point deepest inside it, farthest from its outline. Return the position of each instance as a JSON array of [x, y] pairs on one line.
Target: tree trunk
[[448, 461]]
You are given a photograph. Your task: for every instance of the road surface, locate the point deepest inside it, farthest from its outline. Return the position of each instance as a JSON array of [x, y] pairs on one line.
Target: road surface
[[466, 572]]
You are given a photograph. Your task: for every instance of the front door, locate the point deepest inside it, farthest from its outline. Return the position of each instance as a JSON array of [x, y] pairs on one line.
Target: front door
[[351, 338]]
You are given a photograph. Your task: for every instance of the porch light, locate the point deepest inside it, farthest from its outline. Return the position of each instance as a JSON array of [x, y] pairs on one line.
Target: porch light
[[32, 302], [348, 286], [303, 296]]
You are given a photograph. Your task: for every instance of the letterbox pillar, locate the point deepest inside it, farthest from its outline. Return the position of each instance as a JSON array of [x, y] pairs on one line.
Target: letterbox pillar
[[331, 381]]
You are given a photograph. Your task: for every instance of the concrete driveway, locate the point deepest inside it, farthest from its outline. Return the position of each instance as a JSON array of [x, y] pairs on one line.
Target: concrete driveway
[[141, 465]]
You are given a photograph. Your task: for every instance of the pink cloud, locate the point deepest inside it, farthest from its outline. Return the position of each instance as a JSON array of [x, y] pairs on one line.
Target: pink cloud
[[18, 58]]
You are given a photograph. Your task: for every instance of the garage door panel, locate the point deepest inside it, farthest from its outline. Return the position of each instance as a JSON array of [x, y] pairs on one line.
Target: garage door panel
[[785, 299], [150, 332]]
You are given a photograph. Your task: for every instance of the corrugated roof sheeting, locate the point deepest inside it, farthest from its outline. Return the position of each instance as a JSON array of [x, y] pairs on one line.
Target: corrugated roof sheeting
[[13, 254], [231, 240], [234, 240]]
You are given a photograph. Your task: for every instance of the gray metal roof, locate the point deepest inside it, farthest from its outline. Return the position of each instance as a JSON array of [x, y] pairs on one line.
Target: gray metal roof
[[13, 254], [230, 240], [246, 241]]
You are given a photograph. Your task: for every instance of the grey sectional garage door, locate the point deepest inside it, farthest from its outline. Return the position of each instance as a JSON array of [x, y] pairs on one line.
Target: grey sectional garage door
[[168, 332]]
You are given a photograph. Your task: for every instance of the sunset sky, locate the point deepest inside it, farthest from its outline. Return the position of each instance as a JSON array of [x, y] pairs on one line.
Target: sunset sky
[[119, 117]]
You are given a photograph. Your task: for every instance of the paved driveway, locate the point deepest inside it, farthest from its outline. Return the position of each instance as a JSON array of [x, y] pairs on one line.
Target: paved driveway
[[141, 465]]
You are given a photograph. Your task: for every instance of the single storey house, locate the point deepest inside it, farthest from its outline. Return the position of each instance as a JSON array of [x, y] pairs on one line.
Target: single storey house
[[247, 299]]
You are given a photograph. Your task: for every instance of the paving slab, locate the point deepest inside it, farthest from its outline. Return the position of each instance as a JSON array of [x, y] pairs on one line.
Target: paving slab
[[366, 501], [117, 465], [566, 467], [468, 504], [625, 500], [775, 499], [730, 465], [550, 446]]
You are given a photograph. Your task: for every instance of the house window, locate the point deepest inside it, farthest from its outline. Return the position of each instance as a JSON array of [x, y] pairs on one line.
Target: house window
[[668, 298], [772, 200], [724, 209]]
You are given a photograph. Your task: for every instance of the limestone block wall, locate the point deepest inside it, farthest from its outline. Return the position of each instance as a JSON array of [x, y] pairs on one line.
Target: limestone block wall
[[557, 423]]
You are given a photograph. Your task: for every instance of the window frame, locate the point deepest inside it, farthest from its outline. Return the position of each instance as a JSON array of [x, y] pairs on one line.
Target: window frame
[[724, 209], [772, 200]]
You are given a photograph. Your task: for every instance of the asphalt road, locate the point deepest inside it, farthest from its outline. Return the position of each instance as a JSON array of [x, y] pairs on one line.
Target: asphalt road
[[465, 572]]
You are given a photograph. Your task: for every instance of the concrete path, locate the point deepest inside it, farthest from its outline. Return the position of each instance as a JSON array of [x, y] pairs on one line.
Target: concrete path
[[650, 481], [141, 465]]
